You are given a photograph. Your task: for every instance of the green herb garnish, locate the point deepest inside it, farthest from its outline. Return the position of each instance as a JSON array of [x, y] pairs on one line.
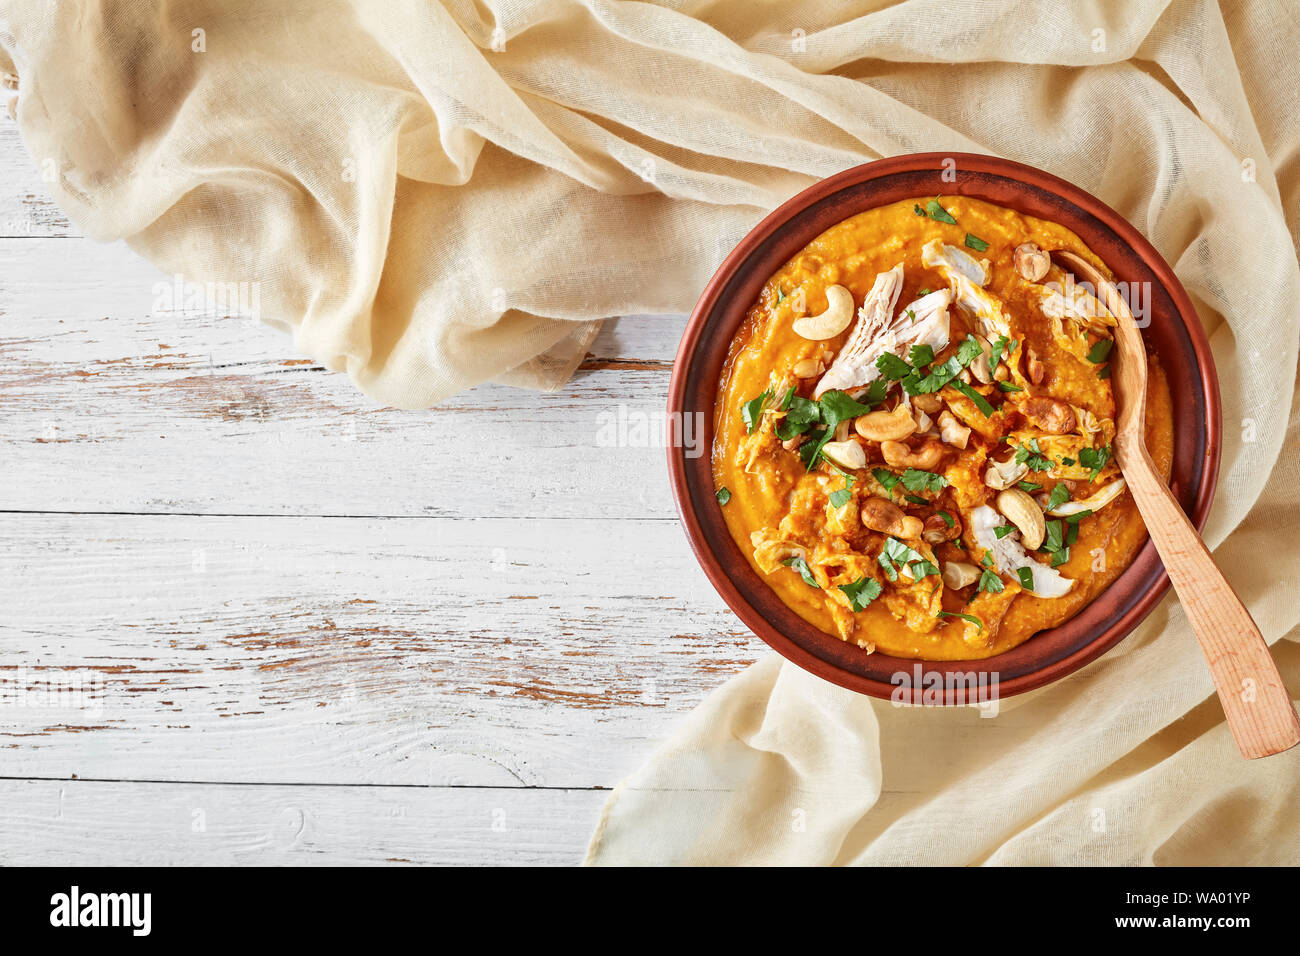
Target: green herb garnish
[[1094, 458], [800, 565], [1030, 454], [861, 592], [976, 243], [892, 367], [965, 617], [947, 518], [1100, 349], [1059, 496], [751, 412], [1029, 486], [980, 401], [801, 415], [921, 355], [724, 495], [914, 479], [887, 479], [990, 581], [938, 213], [1026, 578]]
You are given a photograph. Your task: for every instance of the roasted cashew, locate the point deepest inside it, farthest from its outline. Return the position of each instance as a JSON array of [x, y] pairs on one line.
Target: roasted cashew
[[959, 574], [1004, 474], [1049, 415], [952, 431], [1035, 368], [937, 531], [1031, 262], [808, 368], [899, 455], [828, 324], [887, 518], [885, 426], [846, 454], [1023, 512], [929, 402]]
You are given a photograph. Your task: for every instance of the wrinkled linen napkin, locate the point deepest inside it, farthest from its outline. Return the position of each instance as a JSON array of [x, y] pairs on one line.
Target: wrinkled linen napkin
[[431, 195]]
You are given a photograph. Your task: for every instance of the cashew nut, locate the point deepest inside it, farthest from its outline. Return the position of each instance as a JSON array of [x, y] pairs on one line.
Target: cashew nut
[[959, 574], [1049, 415], [885, 426], [846, 454], [1023, 512], [1031, 262], [887, 518], [928, 402], [836, 318], [1035, 368], [1004, 474], [937, 531], [952, 431], [808, 368], [899, 455]]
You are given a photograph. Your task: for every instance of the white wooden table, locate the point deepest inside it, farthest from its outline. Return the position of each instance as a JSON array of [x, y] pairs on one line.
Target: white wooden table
[[247, 616]]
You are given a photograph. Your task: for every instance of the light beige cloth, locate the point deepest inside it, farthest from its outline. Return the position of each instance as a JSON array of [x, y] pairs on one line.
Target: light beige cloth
[[431, 195]]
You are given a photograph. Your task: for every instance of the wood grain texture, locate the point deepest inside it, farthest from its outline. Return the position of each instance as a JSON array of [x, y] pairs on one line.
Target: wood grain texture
[[348, 634], [67, 822], [352, 650], [26, 209], [110, 406]]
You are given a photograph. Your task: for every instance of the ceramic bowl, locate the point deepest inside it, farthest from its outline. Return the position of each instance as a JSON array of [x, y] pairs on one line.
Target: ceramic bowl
[[1174, 332]]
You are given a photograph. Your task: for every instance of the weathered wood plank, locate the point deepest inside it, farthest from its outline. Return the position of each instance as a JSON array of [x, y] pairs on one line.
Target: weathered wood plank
[[111, 406], [87, 823], [351, 650], [26, 208]]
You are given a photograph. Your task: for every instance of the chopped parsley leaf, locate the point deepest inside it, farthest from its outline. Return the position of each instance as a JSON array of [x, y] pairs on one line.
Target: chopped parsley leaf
[[887, 479], [965, 617], [801, 415], [1026, 578], [1100, 349], [861, 592], [947, 518], [841, 497], [800, 565], [1029, 486], [1094, 458], [976, 243], [999, 347], [980, 401], [724, 495], [752, 411], [1059, 496], [892, 367], [938, 213], [1003, 530], [990, 581], [1028, 453], [921, 355], [914, 479]]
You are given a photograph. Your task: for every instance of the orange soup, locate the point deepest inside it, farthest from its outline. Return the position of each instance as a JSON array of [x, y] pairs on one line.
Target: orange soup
[[913, 432]]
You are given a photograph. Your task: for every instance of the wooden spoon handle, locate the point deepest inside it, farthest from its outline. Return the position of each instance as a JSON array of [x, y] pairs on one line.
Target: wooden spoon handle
[[1260, 714]]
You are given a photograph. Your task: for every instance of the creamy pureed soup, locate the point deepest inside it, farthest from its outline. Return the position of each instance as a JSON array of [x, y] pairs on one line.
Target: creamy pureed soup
[[913, 432]]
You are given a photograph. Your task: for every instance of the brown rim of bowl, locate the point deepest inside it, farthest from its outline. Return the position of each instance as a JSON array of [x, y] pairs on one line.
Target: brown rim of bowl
[[1050, 654]]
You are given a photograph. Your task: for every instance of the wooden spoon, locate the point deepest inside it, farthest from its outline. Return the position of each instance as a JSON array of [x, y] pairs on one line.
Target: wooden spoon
[[1255, 700]]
